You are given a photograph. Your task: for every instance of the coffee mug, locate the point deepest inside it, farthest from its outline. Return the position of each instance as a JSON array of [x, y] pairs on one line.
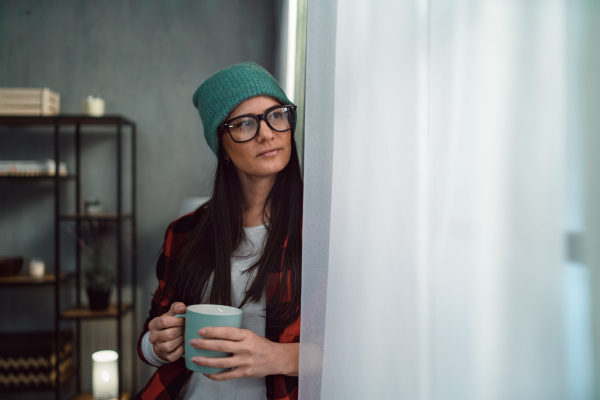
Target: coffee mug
[[200, 316]]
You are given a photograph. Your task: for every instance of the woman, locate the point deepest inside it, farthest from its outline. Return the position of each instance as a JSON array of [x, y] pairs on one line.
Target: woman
[[239, 249]]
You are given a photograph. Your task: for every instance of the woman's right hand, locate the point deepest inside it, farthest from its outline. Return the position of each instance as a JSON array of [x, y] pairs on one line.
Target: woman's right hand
[[166, 333]]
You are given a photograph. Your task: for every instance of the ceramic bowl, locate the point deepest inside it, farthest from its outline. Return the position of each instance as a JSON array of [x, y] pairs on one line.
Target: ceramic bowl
[[10, 266]]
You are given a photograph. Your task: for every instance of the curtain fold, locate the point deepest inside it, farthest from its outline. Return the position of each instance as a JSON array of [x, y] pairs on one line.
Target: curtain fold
[[590, 84], [434, 234], [318, 151]]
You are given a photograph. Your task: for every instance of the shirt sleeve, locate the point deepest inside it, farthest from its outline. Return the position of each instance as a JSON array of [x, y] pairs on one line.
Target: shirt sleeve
[[148, 351], [160, 300]]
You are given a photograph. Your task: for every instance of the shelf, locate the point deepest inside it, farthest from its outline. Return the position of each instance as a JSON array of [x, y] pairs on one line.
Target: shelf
[[103, 216], [36, 177], [89, 396], [70, 131], [65, 119], [48, 279], [86, 313]]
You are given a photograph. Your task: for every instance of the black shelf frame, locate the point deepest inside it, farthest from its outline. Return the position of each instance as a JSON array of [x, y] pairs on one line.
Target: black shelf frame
[[121, 125]]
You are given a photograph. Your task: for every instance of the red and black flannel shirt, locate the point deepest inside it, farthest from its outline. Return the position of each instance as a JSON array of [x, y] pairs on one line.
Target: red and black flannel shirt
[[169, 378]]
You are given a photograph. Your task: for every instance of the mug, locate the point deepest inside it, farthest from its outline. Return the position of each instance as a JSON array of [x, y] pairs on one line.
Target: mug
[[200, 316]]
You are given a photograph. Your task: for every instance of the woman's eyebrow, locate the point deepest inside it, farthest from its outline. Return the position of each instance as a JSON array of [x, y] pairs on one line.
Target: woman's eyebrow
[[233, 114]]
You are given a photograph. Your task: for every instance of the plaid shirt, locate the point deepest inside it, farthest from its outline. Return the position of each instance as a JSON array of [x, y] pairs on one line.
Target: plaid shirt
[[169, 378]]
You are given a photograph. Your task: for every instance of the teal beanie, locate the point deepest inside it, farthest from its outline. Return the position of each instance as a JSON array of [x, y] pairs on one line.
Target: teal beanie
[[216, 98]]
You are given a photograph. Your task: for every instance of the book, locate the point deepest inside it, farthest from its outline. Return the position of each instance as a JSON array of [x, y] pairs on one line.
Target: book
[[31, 168]]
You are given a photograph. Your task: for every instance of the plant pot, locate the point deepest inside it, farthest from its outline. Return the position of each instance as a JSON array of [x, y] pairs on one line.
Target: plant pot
[[98, 300]]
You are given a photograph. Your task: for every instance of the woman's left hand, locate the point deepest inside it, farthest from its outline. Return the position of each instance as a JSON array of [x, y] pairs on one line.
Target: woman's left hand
[[253, 355]]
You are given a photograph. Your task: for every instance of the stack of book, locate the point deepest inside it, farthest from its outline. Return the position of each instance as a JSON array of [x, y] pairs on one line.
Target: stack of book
[[31, 168]]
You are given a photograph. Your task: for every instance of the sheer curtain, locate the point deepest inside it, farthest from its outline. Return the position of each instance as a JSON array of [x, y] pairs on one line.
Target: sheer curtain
[[590, 113], [434, 229]]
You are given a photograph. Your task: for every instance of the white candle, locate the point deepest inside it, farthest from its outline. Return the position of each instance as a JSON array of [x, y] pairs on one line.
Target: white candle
[[36, 268], [105, 375], [93, 106]]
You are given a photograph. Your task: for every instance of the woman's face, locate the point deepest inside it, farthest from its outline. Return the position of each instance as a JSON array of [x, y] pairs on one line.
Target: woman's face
[[265, 155]]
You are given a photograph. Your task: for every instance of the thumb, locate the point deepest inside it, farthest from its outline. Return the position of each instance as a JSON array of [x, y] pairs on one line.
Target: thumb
[[176, 308]]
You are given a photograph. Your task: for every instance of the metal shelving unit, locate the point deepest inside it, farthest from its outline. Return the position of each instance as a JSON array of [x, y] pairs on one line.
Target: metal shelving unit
[[122, 128]]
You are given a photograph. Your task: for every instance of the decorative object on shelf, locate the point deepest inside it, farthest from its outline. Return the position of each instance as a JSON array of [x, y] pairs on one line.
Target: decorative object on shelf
[[28, 360], [98, 299], [11, 266], [31, 168], [37, 268], [93, 106], [92, 206], [105, 375], [27, 101], [99, 262]]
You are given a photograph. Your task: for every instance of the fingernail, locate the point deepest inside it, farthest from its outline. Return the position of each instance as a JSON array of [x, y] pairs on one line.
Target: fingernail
[[202, 331], [193, 342]]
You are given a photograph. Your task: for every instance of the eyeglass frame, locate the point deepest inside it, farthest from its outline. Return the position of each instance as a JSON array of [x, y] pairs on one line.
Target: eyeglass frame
[[260, 117]]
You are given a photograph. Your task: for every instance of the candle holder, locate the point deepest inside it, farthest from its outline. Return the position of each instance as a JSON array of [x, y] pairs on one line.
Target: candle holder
[[105, 375], [93, 106], [36, 268]]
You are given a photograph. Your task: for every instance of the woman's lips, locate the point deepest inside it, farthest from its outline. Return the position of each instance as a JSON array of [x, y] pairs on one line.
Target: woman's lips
[[269, 153]]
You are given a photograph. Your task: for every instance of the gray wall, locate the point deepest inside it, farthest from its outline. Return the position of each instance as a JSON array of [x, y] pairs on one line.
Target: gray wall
[[145, 58]]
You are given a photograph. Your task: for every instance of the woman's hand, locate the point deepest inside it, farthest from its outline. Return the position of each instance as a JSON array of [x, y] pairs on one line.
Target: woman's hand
[[253, 355], [166, 333]]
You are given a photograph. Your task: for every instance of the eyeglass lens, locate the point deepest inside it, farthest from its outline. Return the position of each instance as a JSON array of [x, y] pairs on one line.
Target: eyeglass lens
[[245, 128]]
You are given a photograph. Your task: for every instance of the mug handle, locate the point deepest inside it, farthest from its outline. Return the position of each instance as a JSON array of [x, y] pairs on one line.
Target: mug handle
[[180, 316]]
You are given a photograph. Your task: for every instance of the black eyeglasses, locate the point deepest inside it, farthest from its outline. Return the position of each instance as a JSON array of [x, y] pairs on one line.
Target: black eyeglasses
[[245, 127]]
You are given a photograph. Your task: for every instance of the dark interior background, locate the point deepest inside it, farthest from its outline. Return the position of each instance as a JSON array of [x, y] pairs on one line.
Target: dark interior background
[[145, 58]]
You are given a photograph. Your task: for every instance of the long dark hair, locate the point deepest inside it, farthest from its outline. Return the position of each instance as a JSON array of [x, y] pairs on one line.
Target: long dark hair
[[207, 249]]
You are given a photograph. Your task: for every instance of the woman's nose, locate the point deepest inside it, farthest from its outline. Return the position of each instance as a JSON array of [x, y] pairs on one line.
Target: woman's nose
[[265, 132]]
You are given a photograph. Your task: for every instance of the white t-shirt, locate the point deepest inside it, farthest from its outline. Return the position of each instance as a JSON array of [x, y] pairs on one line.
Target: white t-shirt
[[253, 319]]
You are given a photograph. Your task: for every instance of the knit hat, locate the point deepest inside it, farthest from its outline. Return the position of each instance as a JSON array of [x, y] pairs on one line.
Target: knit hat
[[216, 98]]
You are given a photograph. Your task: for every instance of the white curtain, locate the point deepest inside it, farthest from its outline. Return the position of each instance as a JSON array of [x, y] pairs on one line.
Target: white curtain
[[435, 174], [590, 125]]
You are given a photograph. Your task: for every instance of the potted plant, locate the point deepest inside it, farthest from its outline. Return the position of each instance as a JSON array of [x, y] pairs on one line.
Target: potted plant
[[99, 277], [98, 262]]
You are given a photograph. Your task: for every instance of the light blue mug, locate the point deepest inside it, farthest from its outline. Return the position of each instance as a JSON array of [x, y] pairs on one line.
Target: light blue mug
[[200, 316]]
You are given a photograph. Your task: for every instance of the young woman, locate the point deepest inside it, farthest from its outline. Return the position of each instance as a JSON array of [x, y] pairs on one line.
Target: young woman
[[243, 248]]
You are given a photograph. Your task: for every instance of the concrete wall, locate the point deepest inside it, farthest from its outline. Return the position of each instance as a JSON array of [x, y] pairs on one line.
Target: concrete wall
[[145, 58]]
